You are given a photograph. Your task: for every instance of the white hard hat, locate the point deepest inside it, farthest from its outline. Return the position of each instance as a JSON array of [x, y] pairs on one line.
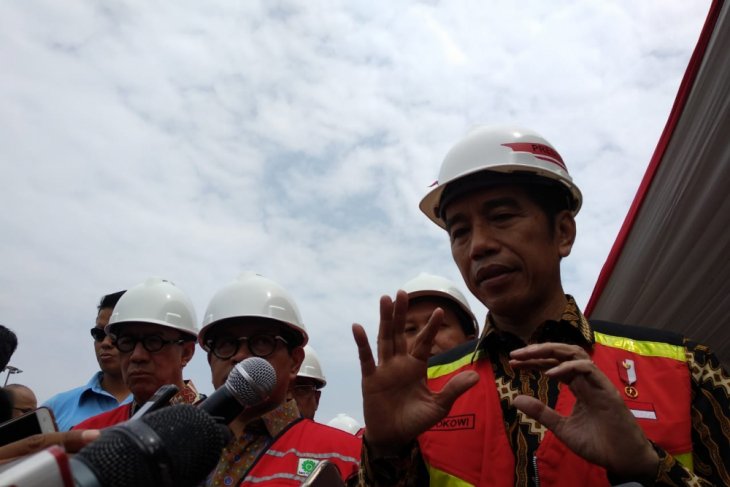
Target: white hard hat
[[425, 284], [502, 149], [252, 295], [156, 301], [345, 423], [311, 367]]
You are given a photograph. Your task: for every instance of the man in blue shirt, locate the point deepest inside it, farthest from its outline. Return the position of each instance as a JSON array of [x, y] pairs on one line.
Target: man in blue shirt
[[106, 390]]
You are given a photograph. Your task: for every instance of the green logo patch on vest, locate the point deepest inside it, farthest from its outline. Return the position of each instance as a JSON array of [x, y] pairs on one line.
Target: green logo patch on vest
[[306, 466]]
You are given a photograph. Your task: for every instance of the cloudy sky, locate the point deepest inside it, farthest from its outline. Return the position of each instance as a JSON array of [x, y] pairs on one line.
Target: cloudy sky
[[195, 140]]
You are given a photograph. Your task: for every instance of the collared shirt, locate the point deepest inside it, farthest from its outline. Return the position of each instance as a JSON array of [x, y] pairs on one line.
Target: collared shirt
[[241, 453], [73, 406], [710, 409]]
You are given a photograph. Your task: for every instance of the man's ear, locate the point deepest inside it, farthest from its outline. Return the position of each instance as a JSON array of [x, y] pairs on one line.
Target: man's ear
[[297, 357], [188, 350], [565, 232]]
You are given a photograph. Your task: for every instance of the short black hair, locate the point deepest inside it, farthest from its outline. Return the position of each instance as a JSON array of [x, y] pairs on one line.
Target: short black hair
[[8, 344], [551, 196], [110, 300]]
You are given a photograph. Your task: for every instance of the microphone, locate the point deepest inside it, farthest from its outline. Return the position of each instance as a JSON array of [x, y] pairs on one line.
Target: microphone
[[175, 446], [159, 399], [249, 383]]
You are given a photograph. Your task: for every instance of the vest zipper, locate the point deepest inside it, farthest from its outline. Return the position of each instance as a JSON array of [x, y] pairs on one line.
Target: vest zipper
[[534, 466]]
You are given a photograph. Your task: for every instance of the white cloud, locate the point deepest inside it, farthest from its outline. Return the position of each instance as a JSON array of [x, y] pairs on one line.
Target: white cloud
[[194, 141]]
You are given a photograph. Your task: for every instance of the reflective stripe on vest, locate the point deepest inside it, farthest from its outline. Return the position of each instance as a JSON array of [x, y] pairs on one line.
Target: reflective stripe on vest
[[645, 348], [441, 478], [279, 476], [317, 456], [436, 371]]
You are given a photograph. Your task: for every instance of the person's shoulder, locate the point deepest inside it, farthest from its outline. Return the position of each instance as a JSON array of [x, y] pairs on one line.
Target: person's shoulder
[[458, 353], [636, 332], [105, 419], [60, 399], [334, 434]]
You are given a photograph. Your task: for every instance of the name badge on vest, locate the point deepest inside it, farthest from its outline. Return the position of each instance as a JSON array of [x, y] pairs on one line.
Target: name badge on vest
[[306, 466], [627, 373]]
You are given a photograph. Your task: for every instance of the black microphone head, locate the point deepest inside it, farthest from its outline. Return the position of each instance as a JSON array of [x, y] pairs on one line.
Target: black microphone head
[[251, 381], [178, 445]]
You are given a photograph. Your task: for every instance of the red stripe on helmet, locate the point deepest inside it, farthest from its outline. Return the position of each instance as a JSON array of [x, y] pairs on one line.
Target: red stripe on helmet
[[540, 151]]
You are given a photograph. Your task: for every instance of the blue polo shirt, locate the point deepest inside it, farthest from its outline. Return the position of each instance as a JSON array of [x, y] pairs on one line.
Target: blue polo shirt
[[72, 407]]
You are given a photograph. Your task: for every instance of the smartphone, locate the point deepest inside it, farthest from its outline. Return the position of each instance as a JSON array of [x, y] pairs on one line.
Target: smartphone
[[39, 421]]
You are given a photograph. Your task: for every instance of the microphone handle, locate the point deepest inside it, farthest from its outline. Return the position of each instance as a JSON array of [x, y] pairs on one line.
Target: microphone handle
[[222, 405]]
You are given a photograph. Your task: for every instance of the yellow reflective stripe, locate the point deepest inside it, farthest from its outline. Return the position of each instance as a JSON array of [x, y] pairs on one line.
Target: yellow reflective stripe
[[436, 371], [441, 478], [648, 349], [686, 460]]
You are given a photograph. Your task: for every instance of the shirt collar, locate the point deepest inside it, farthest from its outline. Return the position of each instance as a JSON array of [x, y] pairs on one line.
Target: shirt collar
[[275, 420], [572, 328], [187, 395], [95, 383]]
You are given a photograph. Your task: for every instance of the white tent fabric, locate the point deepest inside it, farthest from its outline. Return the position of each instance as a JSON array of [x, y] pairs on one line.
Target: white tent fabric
[[673, 269]]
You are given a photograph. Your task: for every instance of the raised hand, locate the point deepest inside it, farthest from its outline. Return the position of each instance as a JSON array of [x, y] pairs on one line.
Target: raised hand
[[397, 405], [600, 428]]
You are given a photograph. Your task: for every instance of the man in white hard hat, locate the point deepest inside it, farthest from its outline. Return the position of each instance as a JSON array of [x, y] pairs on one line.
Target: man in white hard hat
[[545, 397], [106, 389], [273, 445], [154, 328], [307, 387], [426, 292]]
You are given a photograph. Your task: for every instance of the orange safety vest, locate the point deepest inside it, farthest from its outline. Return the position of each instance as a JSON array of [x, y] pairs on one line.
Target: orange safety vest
[[470, 446], [301, 447]]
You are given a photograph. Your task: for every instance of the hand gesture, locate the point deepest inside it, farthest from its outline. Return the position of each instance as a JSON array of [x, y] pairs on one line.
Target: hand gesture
[[600, 428], [397, 405]]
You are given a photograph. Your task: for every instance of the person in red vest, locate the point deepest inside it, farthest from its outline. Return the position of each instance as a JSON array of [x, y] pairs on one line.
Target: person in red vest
[[154, 328], [544, 397], [273, 444]]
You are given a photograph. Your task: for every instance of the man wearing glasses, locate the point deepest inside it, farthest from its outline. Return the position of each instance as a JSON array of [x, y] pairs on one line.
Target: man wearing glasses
[[106, 390], [273, 444], [153, 326]]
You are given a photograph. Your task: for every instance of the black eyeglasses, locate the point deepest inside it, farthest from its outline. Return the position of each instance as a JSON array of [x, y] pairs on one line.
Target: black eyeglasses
[[258, 345], [98, 333], [302, 390], [151, 343]]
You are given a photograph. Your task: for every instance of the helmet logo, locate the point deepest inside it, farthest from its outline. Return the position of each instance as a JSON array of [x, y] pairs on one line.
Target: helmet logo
[[540, 151]]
